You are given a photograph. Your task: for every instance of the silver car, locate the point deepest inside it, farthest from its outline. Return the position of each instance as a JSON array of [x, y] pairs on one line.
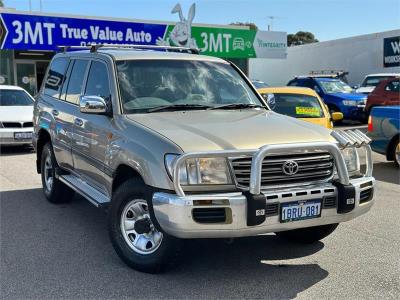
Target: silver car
[[16, 113]]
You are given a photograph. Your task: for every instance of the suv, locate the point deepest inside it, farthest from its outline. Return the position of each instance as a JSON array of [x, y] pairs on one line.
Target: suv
[[337, 95], [180, 146], [371, 81]]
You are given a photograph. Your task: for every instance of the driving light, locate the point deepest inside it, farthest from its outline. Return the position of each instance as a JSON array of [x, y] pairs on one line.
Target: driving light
[[352, 160], [349, 102], [201, 170]]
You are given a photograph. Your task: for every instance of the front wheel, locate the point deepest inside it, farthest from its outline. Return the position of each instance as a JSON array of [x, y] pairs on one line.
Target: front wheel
[[396, 152], [307, 235], [134, 236]]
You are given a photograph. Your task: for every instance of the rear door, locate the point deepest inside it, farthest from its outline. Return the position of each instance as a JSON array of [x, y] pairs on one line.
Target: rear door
[[92, 131]]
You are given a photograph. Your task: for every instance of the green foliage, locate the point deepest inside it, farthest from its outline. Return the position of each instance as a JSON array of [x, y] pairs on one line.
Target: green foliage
[[251, 25], [301, 38]]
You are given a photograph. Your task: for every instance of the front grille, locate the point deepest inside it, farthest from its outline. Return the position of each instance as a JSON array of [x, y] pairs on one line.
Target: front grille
[[366, 195], [209, 215], [27, 124], [329, 202], [272, 209], [12, 125], [312, 167]]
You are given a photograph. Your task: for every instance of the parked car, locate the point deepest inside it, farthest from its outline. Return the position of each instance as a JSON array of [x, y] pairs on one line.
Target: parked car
[[300, 103], [259, 84], [387, 92], [181, 146], [372, 80], [16, 113], [384, 130], [339, 96]]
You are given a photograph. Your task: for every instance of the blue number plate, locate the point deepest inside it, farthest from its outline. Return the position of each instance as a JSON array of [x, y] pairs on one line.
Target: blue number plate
[[300, 210]]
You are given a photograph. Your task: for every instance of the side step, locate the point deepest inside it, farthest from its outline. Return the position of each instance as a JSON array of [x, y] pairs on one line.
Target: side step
[[81, 187]]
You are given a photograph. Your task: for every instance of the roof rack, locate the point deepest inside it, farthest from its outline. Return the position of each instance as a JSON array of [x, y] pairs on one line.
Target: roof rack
[[95, 47]]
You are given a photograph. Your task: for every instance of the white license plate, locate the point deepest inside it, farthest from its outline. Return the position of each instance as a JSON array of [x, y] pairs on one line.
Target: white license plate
[[22, 135], [300, 210]]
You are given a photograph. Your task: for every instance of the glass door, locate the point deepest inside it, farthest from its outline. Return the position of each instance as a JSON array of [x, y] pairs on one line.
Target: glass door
[[26, 76]]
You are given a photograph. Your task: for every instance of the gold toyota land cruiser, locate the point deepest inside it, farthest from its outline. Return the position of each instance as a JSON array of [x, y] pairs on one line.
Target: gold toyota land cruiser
[[177, 145]]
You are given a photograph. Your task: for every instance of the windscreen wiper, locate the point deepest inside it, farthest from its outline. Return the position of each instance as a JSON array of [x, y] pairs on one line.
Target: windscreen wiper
[[239, 105], [178, 107]]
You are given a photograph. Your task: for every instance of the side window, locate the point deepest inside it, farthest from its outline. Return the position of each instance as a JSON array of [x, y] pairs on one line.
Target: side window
[[293, 83], [55, 77], [393, 86], [66, 79], [75, 82], [98, 82]]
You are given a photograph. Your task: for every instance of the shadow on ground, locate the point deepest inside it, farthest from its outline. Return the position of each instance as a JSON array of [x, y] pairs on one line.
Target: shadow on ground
[[387, 172], [63, 251], [16, 150]]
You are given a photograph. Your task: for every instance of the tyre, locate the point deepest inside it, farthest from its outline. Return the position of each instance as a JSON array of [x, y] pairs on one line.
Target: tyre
[[135, 238], [307, 235], [396, 152], [54, 190]]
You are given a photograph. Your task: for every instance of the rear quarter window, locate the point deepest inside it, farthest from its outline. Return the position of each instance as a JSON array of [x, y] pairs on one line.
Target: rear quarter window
[[55, 77]]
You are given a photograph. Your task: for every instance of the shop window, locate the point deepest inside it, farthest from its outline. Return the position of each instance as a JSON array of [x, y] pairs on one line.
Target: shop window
[[75, 83]]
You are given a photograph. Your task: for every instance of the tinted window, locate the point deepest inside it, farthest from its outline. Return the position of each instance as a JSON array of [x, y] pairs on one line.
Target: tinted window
[[98, 83], [55, 77], [295, 105], [393, 86], [75, 83], [14, 98], [293, 83]]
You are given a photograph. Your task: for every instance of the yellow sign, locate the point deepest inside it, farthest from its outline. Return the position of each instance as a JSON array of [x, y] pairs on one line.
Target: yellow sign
[[309, 111]]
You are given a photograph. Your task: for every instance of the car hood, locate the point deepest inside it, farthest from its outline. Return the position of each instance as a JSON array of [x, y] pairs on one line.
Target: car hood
[[16, 113], [229, 130], [365, 89], [350, 96]]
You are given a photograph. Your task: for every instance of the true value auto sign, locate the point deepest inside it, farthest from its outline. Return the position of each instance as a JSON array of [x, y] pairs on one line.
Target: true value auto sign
[[27, 31]]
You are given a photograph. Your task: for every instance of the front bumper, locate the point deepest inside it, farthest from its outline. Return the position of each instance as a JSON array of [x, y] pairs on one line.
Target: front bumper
[[257, 210], [354, 112], [175, 214], [7, 136]]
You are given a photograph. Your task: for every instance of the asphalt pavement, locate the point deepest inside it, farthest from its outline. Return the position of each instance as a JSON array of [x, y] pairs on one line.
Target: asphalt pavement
[[52, 251]]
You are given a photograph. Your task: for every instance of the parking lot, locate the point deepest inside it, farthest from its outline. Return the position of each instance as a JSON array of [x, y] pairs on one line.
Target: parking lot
[[63, 251]]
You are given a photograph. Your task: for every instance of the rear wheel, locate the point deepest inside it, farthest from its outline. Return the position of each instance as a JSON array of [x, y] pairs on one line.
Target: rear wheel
[[54, 190], [133, 233], [307, 235], [396, 152]]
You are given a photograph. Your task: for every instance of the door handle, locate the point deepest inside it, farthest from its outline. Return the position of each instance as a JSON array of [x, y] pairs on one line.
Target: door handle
[[55, 112], [78, 122]]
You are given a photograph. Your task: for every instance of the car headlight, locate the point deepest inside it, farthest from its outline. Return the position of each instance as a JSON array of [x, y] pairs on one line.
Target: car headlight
[[200, 170], [352, 160], [349, 102]]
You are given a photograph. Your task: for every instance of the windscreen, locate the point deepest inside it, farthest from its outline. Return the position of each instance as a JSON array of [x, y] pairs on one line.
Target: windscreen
[[147, 84], [15, 98], [334, 86], [295, 105], [374, 80]]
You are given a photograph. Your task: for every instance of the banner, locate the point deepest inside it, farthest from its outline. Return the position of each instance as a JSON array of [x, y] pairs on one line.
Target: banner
[[391, 52], [42, 32]]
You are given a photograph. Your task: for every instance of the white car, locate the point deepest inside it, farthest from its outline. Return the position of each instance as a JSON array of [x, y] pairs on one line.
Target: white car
[[372, 80], [16, 113]]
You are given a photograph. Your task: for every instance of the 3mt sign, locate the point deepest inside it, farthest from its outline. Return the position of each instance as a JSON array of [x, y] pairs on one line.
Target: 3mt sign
[[391, 52]]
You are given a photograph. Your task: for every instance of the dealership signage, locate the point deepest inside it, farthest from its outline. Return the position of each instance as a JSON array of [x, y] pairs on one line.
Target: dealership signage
[[391, 52], [26, 31]]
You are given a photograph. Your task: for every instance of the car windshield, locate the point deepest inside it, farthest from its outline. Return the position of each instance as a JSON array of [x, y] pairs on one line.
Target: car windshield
[[258, 84], [15, 98], [150, 85], [295, 105], [374, 80], [334, 86]]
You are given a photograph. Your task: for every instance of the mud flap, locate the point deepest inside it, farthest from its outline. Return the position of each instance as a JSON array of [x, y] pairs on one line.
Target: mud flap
[[346, 197], [256, 205]]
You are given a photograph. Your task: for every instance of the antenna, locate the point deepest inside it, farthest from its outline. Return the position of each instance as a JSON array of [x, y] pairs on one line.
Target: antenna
[[271, 23]]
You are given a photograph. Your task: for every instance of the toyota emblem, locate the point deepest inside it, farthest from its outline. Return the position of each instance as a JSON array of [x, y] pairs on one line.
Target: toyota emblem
[[290, 167]]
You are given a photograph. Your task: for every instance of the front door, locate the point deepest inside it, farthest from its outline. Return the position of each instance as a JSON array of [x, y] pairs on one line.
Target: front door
[[26, 76]]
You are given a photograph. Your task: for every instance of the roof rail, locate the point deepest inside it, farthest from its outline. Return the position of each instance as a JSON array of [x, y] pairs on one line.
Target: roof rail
[[95, 47]]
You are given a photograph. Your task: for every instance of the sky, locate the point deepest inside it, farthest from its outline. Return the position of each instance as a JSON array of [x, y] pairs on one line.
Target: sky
[[327, 19]]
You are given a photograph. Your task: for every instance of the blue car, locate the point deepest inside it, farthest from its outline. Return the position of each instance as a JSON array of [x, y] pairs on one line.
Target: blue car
[[384, 130], [337, 95]]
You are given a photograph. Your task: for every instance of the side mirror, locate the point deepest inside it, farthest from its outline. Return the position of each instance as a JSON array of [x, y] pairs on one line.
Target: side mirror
[[336, 116], [92, 105], [355, 87]]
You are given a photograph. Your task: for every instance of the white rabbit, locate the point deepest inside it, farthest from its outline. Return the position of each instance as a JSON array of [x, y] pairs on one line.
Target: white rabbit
[[181, 34]]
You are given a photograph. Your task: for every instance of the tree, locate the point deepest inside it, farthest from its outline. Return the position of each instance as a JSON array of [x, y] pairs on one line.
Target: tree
[[250, 24], [1, 3], [301, 38]]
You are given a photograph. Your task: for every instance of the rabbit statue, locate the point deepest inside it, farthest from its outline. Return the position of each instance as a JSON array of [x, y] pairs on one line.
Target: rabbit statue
[[181, 34]]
